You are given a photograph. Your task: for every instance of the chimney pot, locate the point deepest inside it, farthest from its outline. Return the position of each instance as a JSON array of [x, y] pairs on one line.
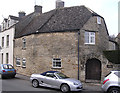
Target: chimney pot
[[59, 4], [38, 9], [21, 14]]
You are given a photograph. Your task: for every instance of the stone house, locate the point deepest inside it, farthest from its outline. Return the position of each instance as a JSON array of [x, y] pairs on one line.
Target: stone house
[[68, 39]]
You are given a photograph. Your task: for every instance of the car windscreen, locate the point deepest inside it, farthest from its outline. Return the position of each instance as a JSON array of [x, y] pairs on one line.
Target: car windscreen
[[108, 74], [8, 67], [117, 74], [61, 76]]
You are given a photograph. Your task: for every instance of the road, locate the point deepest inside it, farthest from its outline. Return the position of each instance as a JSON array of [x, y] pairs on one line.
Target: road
[[18, 85]]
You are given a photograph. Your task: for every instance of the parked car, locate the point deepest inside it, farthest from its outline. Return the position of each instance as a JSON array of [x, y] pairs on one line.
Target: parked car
[[111, 83], [7, 70], [55, 79]]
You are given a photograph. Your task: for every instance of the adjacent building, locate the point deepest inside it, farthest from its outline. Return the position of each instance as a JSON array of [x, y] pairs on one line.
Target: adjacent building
[[7, 39]]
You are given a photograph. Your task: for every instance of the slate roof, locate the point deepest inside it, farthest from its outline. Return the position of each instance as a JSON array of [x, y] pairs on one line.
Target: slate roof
[[63, 19], [14, 17]]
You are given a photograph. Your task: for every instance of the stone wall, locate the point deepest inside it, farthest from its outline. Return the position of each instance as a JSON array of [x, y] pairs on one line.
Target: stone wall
[[42, 48]]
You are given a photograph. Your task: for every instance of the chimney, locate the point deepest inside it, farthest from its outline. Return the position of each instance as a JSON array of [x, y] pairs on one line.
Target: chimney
[[38, 9], [0, 28], [59, 4], [21, 14]]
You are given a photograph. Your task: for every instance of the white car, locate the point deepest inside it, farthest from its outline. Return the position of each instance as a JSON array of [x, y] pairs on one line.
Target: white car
[[55, 79], [111, 83]]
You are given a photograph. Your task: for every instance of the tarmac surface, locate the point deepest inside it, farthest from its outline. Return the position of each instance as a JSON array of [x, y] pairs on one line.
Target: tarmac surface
[[86, 86]]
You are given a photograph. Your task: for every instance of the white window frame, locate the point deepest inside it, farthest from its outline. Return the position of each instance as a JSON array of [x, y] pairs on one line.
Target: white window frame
[[24, 62], [55, 61], [89, 37], [98, 20], [18, 60]]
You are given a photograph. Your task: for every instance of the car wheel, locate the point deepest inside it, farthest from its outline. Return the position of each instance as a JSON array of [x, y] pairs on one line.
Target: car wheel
[[35, 83], [65, 88], [114, 90]]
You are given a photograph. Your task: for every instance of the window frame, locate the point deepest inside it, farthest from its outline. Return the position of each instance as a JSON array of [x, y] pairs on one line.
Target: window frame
[[90, 37], [7, 58], [7, 41], [18, 60], [99, 20], [24, 62], [56, 60], [2, 41], [24, 43]]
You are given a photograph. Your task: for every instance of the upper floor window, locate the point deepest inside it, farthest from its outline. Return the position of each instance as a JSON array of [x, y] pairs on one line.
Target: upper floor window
[[24, 43], [7, 40], [89, 37], [2, 41], [98, 20], [56, 63]]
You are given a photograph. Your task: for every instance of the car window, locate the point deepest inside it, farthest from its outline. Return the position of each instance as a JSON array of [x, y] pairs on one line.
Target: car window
[[50, 75], [7, 66], [62, 76], [117, 73]]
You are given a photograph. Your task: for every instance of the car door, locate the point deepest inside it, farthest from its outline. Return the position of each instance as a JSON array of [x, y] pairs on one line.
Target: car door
[[51, 80]]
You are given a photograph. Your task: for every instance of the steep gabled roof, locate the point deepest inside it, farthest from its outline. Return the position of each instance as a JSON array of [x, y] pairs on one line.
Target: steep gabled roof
[[63, 19], [14, 17]]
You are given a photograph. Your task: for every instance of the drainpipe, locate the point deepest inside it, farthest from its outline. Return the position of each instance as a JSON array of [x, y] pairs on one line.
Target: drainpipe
[[78, 55]]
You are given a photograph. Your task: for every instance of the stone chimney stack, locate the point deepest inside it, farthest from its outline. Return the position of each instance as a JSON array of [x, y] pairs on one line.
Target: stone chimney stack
[[21, 14], [38, 9], [59, 4]]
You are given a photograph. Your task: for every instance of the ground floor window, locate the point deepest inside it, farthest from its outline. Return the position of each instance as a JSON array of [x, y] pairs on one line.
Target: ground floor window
[[18, 62], [24, 62], [7, 58], [56, 63]]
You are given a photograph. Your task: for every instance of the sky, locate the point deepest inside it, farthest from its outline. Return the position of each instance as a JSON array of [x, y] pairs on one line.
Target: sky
[[106, 8]]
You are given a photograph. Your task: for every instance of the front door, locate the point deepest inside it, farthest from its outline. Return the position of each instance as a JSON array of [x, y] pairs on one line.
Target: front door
[[93, 69]]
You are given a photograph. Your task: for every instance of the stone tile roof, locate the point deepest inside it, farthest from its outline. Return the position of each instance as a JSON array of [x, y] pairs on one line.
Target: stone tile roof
[[63, 19]]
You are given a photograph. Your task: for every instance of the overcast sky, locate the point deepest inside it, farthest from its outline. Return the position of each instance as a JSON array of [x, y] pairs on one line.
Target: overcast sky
[[106, 8]]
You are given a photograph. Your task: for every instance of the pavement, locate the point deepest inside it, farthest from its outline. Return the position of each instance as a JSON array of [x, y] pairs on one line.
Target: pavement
[[86, 86]]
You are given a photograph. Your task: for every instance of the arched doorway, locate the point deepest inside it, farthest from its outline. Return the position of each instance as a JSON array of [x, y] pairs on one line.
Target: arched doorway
[[93, 70]]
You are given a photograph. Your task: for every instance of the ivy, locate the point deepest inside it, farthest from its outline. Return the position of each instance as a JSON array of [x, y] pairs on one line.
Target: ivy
[[113, 56]]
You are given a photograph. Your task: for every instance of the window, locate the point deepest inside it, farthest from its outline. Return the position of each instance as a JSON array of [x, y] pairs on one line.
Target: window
[[17, 61], [2, 41], [7, 40], [24, 62], [2, 58], [89, 37], [7, 58], [24, 43], [56, 63], [50, 75], [98, 20]]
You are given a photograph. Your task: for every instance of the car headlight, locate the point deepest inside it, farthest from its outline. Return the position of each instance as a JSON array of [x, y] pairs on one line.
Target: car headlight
[[75, 83]]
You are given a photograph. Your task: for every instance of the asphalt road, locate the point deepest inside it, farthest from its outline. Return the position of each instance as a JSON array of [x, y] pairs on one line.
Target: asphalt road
[[18, 85]]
